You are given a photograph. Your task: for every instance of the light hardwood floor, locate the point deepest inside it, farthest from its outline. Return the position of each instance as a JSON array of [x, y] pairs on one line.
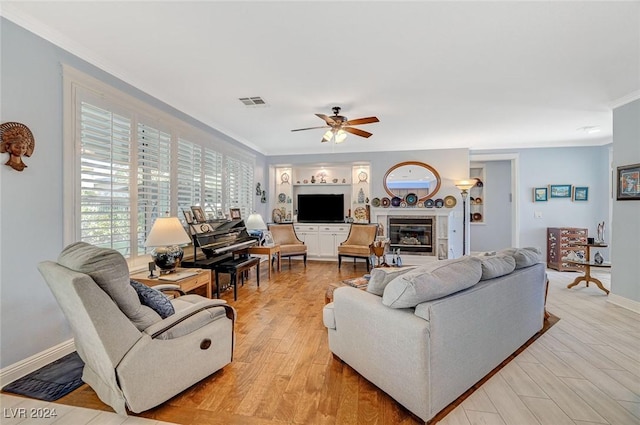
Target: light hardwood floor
[[585, 370]]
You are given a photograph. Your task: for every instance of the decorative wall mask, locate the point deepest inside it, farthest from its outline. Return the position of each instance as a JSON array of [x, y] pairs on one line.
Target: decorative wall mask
[[18, 141]]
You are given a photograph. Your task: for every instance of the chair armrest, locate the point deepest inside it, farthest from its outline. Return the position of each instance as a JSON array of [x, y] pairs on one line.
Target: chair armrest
[[169, 287], [175, 319]]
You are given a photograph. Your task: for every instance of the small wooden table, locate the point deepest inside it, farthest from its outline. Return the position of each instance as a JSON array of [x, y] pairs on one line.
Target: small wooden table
[[201, 278], [588, 263], [270, 251]]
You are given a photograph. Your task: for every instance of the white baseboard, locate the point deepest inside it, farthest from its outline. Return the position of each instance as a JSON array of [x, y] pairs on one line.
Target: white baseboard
[[624, 302], [35, 362]]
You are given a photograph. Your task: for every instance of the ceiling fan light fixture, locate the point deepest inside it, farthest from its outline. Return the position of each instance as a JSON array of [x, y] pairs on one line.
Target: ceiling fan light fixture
[[341, 136], [328, 135]]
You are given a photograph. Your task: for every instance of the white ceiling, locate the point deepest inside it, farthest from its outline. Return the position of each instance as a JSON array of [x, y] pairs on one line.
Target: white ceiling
[[437, 74]]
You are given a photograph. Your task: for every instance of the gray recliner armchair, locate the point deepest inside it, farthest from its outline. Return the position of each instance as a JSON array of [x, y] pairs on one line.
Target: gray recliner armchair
[[133, 357]]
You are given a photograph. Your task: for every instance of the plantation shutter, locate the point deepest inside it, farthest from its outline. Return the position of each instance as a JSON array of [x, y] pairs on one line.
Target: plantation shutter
[[240, 186], [213, 180], [189, 175], [105, 161], [154, 175]]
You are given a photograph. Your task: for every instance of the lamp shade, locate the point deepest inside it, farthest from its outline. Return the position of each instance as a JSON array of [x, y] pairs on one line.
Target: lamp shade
[[255, 222], [167, 231], [465, 184]]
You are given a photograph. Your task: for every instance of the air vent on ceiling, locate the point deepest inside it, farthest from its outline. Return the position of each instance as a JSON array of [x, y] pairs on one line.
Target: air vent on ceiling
[[253, 101]]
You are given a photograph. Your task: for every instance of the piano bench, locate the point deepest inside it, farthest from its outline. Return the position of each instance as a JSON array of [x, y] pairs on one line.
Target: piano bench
[[233, 267]]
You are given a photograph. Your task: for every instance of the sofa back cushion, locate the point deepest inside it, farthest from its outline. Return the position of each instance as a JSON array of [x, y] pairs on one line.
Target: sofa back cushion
[[524, 257], [381, 276], [496, 265], [110, 271], [432, 281]]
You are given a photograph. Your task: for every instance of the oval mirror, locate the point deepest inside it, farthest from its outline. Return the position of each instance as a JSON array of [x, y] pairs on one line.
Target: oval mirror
[[412, 177]]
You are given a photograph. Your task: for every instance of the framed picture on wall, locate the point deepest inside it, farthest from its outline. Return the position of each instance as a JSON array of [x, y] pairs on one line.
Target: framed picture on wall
[[628, 183], [560, 191], [580, 193], [540, 194]]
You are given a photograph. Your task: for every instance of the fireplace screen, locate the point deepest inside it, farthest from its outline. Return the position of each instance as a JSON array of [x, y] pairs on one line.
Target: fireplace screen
[[412, 235]]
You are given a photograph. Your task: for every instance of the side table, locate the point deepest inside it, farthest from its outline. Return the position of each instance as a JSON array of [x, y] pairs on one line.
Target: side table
[[588, 263], [201, 278], [270, 251]]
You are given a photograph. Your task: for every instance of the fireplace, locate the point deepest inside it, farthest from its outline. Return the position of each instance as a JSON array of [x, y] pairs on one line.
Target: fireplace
[[412, 235]]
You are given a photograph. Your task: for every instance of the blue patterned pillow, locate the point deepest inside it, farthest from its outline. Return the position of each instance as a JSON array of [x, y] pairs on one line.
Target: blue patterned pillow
[[153, 299]]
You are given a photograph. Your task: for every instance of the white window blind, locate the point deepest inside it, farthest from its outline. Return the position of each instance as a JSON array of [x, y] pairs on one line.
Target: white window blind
[[240, 185], [189, 175], [105, 200], [154, 180], [212, 181]]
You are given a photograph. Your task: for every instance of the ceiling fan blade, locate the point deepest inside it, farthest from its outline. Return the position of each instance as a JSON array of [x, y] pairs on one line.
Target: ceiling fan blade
[[360, 121], [311, 128], [357, 132], [327, 119]]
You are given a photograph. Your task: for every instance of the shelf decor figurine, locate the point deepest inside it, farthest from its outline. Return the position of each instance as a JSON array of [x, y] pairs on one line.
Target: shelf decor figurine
[[600, 238], [598, 258]]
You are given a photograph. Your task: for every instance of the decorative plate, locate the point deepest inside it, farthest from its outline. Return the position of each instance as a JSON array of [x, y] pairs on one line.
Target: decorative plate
[[478, 201], [284, 178], [472, 200], [428, 203], [477, 216], [479, 183], [450, 201], [411, 199], [360, 213], [439, 203], [395, 201], [362, 177], [282, 198], [385, 202], [403, 204], [375, 202]]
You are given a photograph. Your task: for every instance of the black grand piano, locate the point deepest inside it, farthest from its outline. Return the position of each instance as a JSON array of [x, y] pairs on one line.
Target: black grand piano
[[224, 246]]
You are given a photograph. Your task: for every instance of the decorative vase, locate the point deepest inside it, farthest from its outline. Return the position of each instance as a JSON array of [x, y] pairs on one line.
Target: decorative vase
[[313, 179]]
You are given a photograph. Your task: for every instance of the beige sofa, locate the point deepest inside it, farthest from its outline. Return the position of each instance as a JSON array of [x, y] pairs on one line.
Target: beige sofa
[[427, 334]]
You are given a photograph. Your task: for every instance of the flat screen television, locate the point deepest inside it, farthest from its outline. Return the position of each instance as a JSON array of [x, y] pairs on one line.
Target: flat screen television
[[321, 208]]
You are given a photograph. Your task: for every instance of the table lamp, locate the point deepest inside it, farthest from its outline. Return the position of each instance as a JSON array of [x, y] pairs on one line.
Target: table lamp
[[464, 186], [166, 236], [255, 225]]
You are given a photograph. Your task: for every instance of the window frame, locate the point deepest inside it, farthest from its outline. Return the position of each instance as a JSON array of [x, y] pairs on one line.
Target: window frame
[[78, 86]]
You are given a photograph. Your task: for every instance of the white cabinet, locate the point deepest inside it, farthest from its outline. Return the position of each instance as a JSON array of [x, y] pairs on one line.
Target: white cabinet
[[322, 240], [309, 235], [329, 237]]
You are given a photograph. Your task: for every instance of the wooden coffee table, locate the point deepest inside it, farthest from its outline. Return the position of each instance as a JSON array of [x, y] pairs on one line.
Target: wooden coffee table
[[328, 295]]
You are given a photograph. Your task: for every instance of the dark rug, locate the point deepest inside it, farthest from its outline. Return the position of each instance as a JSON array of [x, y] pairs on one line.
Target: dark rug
[[52, 381]]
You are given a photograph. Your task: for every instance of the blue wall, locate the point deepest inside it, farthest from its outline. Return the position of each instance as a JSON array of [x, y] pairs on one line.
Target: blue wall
[[31, 201]]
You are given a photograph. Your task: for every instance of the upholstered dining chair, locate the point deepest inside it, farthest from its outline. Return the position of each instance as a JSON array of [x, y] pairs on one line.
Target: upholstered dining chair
[[139, 347], [358, 243], [290, 246]]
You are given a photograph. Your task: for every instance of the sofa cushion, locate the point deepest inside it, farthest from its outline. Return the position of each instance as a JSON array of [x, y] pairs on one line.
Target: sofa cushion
[[110, 271], [433, 281], [497, 265], [153, 299], [524, 257], [381, 276]]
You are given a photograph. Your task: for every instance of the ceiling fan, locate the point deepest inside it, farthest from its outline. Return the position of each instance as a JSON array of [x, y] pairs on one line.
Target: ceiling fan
[[339, 126]]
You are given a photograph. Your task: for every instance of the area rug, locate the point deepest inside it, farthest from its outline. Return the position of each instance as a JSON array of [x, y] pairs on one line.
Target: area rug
[[549, 321], [52, 381]]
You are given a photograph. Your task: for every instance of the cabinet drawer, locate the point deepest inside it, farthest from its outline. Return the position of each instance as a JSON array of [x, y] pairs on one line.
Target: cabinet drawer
[[305, 228], [196, 281]]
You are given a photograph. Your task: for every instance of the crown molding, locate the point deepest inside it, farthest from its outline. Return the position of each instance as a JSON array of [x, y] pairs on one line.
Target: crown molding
[[625, 99]]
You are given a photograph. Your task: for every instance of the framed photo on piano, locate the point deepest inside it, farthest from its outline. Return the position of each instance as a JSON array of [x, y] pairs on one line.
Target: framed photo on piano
[[198, 213], [267, 239], [234, 213]]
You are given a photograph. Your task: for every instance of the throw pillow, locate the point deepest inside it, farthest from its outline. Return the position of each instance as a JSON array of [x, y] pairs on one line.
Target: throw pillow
[[431, 282], [497, 265], [154, 299], [524, 257], [109, 269], [381, 277]]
